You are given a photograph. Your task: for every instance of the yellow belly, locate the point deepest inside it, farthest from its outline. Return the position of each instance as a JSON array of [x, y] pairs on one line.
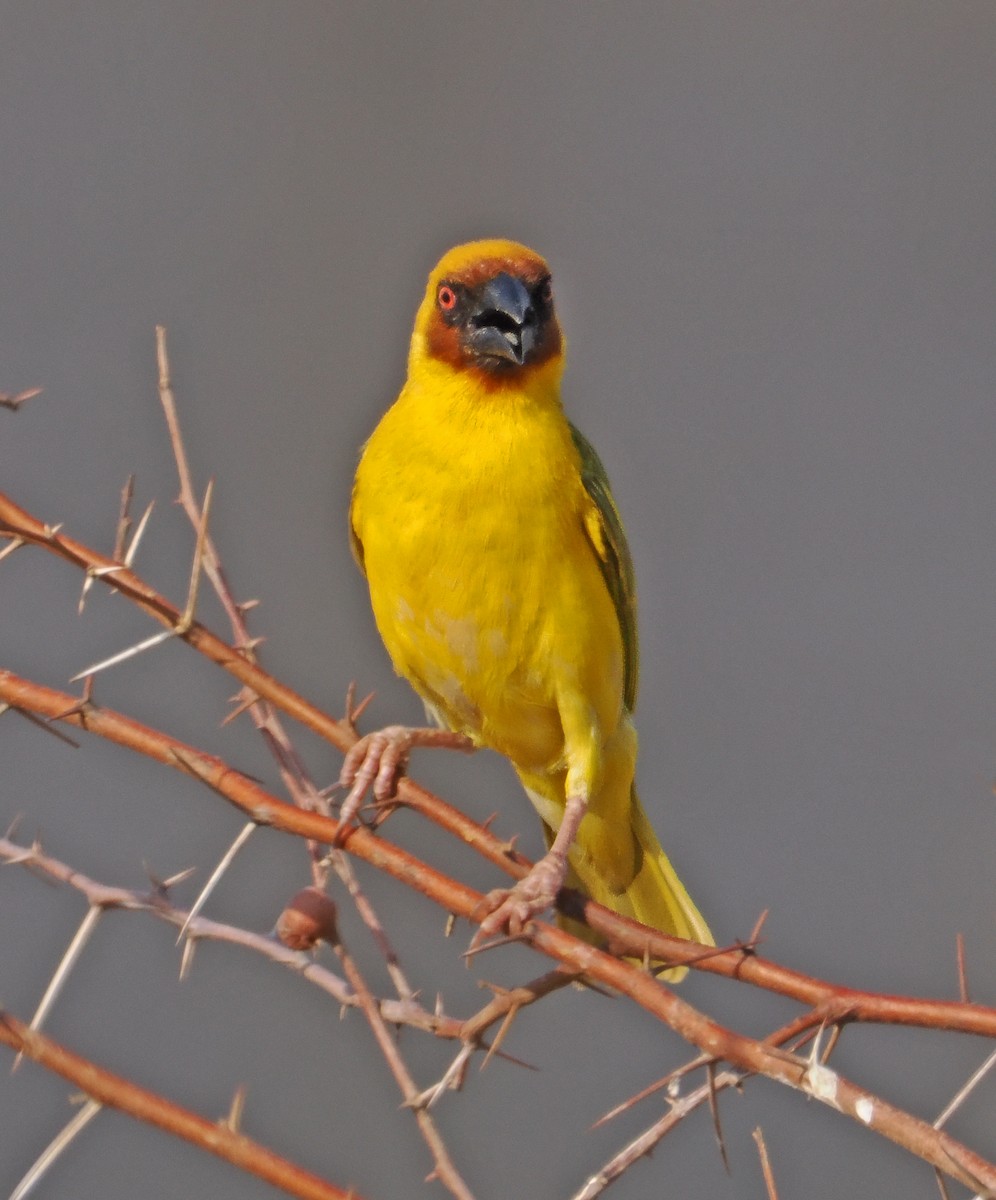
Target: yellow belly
[[499, 635]]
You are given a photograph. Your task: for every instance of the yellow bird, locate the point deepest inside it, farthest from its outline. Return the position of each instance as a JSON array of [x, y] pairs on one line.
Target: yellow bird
[[503, 588]]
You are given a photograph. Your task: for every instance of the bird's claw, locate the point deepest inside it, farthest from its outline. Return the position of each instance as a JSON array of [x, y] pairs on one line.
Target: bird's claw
[[511, 909], [375, 762]]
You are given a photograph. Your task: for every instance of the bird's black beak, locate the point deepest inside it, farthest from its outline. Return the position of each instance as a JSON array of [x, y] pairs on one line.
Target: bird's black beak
[[502, 324]]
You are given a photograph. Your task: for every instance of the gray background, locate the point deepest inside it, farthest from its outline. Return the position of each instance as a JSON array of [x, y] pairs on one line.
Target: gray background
[[772, 231]]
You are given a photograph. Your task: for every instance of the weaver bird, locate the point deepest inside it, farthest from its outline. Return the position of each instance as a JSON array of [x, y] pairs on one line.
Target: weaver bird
[[503, 589]]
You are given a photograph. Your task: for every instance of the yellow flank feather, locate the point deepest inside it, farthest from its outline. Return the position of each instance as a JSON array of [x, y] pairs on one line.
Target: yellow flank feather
[[498, 569]]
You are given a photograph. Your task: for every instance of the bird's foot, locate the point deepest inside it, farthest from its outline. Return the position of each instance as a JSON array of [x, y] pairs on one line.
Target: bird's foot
[[378, 760], [511, 909]]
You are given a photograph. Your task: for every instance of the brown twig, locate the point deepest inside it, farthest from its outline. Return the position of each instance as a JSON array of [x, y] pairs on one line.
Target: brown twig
[[766, 1171], [644, 1144], [506, 1001], [679, 1107], [714, 1113], [445, 1170], [113, 1091], [102, 897], [829, 1002], [962, 968], [14, 400], [293, 772], [669, 1081]]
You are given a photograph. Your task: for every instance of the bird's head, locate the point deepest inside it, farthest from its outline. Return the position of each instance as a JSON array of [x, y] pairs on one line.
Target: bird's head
[[488, 308]]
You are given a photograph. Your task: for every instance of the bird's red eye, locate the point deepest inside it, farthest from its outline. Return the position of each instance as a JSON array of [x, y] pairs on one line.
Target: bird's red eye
[[546, 290], [446, 297]]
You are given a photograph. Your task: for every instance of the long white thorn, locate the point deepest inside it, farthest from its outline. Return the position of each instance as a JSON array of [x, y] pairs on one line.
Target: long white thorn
[[216, 874], [972, 1082], [113, 661], [55, 1148], [69, 959], [129, 557]]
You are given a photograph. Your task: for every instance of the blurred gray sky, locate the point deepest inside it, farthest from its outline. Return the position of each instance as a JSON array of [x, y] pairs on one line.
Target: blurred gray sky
[[772, 232]]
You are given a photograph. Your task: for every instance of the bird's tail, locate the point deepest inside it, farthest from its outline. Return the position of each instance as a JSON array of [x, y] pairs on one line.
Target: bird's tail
[[628, 872], [656, 896]]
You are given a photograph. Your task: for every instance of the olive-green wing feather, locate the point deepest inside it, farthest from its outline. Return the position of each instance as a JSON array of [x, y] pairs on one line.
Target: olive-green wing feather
[[608, 540], [354, 538]]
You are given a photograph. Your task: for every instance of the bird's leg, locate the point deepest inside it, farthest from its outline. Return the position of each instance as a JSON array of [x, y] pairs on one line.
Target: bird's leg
[[513, 908], [378, 759]]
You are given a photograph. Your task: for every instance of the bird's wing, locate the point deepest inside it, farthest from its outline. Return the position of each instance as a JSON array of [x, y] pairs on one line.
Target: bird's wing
[[354, 538], [604, 528]]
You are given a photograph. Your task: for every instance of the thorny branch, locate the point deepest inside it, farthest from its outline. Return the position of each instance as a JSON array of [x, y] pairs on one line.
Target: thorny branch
[[217, 1137], [262, 712], [102, 897], [445, 1170], [645, 1143], [811, 1077], [307, 796]]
